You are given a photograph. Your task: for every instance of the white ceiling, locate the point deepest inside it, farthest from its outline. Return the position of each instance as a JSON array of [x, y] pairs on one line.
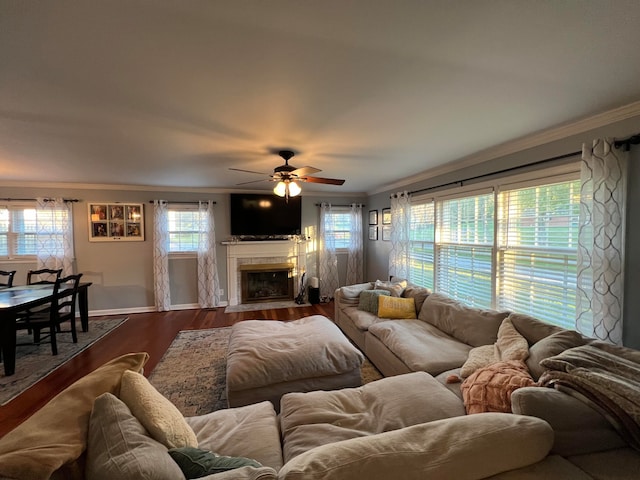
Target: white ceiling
[[173, 93]]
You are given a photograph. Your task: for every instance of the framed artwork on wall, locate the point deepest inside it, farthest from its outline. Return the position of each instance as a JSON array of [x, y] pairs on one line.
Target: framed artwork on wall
[[373, 217], [386, 216], [116, 222], [373, 233], [386, 232]]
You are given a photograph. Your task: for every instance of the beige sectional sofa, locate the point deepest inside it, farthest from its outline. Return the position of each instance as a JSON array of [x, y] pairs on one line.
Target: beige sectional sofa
[[444, 337]]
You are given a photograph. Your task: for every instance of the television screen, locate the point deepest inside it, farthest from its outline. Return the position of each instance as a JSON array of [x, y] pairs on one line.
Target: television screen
[[265, 215]]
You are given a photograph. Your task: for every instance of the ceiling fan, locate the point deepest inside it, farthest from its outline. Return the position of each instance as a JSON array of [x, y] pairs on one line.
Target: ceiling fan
[[287, 176]]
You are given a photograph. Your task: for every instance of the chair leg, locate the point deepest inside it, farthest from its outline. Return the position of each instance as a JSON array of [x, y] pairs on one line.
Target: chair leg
[[36, 335], [54, 343], [74, 333]]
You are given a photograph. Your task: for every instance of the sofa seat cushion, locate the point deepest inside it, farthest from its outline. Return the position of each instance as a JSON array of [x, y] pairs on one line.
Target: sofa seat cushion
[[312, 419], [552, 467], [57, 433], [420, 345], [251, 431], [473, 326], [467, 447], [361, 319], [621, 463]]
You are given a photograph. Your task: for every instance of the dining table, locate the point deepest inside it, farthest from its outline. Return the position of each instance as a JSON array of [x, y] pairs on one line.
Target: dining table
[[14, 300]]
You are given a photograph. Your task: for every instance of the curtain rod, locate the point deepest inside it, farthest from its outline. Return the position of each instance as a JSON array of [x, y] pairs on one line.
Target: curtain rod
[[338, 205], [72, 200], [627, 142], [504, 170], [186, 203]]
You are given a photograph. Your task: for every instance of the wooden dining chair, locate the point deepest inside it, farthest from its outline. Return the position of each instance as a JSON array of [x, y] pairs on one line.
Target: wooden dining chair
[[6, 278], [61, 310], [35, 277]]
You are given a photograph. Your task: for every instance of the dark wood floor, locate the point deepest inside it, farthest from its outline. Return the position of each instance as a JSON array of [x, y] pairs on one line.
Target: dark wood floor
[[143, 332]]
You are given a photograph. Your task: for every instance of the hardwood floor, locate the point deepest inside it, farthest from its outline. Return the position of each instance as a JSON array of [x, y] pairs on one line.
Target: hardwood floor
[[143, 332]]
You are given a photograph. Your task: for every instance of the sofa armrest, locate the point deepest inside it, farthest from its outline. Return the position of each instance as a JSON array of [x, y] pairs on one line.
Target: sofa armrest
[[349, 295], [465, 448]]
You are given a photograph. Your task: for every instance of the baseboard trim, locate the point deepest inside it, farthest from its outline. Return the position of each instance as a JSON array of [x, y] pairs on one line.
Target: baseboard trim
[[126, 311]]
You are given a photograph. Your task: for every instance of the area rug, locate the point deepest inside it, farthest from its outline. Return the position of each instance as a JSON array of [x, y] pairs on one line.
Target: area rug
[[192, 372], [252, 307], [34, 362]]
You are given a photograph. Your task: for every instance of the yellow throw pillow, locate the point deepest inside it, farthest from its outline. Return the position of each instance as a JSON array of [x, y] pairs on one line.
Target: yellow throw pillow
[[158, 415], [396, 307], [57, 433]]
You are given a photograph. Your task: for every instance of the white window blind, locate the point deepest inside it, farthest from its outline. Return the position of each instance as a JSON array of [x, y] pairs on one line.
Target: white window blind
[[338, 226], [464, 248], [421, 244], [17, 231], [183, 230], [537, 240]]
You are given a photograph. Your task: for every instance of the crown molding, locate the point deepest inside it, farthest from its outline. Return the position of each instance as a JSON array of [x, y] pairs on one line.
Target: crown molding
[[520, 144]]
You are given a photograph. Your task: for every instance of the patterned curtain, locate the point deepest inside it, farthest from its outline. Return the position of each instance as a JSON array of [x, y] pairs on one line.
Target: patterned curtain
[[208, 284], [601, 241], [328, 260], [355, 259], [400, 225], [54, 235], [161, 255]]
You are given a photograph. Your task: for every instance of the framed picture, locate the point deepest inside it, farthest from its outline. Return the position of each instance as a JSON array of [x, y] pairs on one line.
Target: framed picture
[[373, 217], [116, 222], [386, 232], [373, 233], [386, 216]]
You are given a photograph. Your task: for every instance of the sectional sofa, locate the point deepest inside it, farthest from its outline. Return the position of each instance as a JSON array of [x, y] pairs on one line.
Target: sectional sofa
[[476, 354]]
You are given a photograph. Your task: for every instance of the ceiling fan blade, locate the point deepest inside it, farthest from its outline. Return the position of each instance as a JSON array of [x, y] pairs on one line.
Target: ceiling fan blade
[[328, 181], [254, 181], [302, 171], [247, 171]]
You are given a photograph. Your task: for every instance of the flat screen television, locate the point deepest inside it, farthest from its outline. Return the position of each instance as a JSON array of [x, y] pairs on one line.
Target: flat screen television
[[265, 215]]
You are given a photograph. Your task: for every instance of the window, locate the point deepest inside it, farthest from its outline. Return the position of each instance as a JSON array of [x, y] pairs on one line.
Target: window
[[421, 244], [512, 250], [537, 256], [183, 230], [17, 231], [338, 227], [464, 248]]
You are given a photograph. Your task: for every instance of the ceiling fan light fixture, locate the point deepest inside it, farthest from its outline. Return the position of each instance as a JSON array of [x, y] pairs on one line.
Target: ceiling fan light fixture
[[287, 188]]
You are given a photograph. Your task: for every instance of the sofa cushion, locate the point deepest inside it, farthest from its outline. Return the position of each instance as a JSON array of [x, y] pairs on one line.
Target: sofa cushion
[[578, 428], [251, 431], [312, 419], [369, 300], [196, 462], [531, 328], [396, 307], [489, 389], [621, 463], [118, 446], [472, 326], [553, 467], [395, 288], [361, 319], [466, 447], [419, 295], [549, 346], [57, 433], [159, 416], [420, 345]]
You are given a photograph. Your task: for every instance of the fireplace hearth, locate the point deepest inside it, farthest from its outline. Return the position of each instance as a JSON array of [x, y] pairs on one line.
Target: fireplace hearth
[[269, 282]]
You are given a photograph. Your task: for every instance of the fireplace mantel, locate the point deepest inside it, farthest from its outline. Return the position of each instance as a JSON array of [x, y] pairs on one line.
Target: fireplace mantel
[[261, 252]]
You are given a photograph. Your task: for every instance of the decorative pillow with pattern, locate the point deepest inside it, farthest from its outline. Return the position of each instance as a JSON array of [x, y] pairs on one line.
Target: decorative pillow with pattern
[[395, 288], [395, 307], [369, 300]]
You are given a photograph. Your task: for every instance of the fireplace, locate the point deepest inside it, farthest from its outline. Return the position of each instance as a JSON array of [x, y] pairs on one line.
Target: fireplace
[[267, 282]]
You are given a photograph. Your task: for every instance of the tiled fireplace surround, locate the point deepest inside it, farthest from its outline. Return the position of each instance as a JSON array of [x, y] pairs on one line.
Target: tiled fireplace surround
[[262, 252]]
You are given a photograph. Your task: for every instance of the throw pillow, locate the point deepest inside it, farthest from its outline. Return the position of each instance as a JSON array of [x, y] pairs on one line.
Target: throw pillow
[[159, 416], [196, 463], [393, 307], [369, 300], [489, 389], [118, 446], [395, 288], [57, 433], [419, 295], [551, 346], [510, 344], [478, 357]]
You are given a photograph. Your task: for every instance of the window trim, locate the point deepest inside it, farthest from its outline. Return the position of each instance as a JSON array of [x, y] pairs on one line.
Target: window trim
[[9, 258]]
